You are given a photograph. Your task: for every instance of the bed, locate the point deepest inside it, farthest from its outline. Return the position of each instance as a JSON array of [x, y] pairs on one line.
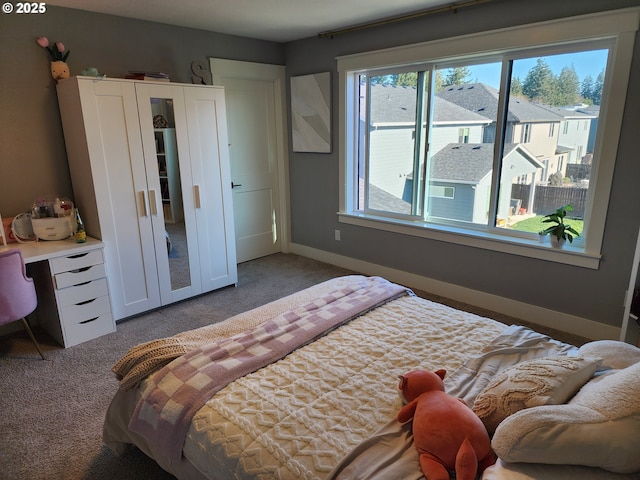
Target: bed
[[306, 387]]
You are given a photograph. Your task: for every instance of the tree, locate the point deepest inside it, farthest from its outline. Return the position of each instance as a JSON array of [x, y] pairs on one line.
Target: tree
[[516, 86], [596, 95], [438, 81], [408, 79], [539, 83], [567, 90], [586, 88], [458, 76]]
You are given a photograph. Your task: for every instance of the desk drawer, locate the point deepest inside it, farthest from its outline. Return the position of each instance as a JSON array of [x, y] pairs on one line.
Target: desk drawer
[[74, 262], [93, 327], [81, 275], [81, 293], [78, 313]]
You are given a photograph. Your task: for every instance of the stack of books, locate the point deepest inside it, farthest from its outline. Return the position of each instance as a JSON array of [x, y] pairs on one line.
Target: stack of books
[[152, 76]]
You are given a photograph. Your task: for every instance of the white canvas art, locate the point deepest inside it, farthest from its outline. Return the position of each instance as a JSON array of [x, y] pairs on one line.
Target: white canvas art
[[311, 113]]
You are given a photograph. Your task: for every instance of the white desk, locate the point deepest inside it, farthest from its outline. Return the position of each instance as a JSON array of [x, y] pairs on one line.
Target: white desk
[[45, 249], [71, 284]]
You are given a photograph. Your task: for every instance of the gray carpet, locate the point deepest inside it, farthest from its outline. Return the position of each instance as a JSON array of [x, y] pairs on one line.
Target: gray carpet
[[52, 411]]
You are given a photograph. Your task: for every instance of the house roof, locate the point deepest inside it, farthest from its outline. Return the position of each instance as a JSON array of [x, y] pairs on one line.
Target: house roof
[[483, 99], [471, 162], [462, 162], [393, 104], [568, 114], [590, 110]]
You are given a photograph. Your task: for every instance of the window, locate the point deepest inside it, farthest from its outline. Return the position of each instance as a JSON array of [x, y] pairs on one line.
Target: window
[[460, 147], [443, 192]]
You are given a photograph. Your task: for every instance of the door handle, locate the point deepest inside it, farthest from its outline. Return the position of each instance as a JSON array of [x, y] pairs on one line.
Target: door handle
[[143, 202], [196, 195], [153, 205], [234, 185]]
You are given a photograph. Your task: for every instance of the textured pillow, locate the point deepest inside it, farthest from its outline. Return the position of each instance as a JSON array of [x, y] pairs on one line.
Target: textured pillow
[[614, 354], [543, 381], [597, 428]]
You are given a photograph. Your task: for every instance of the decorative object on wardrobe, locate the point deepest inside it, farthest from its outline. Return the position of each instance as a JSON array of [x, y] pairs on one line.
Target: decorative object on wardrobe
[[59, 67]]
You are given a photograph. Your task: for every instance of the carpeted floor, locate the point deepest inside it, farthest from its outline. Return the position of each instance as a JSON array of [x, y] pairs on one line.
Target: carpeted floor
[[52, 411]]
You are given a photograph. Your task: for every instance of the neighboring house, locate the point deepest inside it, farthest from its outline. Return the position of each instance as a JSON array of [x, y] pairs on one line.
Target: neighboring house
[[573, 135], [542, 141], [594, 112], [460, 180], [528, 123], [392, 133]]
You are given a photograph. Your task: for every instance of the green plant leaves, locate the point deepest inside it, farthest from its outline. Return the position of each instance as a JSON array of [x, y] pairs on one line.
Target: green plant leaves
[[560, 229]]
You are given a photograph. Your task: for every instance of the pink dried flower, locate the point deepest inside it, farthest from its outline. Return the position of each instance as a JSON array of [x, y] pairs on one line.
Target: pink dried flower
[[56, 50]]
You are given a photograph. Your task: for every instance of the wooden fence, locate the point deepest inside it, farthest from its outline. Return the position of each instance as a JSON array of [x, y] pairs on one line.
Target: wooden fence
[[548, 199]]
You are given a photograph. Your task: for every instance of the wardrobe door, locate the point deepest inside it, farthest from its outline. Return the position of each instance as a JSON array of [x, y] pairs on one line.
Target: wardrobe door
[[109, 184], [167, 159], [209, 152]]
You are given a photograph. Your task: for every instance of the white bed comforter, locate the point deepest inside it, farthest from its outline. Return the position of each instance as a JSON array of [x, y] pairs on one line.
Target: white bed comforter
[[298, 417]]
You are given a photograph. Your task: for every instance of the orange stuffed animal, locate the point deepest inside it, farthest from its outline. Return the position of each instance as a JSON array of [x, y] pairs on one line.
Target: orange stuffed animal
[[446, 432]]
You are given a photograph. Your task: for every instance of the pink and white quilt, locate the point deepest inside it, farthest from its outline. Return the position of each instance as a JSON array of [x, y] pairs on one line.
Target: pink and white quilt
[[181, 388]]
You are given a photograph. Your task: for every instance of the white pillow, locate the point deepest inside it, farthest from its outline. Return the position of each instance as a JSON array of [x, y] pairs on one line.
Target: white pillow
[[542, 381], [597, 428]]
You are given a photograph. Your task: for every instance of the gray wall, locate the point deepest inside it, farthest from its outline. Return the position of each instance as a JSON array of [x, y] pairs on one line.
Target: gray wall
[[32, 152], [592, 294]]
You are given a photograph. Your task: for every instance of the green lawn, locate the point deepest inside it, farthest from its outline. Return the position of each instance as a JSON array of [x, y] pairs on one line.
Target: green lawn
[[534, 224]]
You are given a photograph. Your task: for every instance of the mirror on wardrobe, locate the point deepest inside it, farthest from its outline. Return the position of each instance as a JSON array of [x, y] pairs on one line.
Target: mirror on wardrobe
[[171, 192]]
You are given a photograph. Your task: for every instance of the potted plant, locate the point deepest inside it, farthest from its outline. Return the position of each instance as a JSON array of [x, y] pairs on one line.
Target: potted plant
[[559, 230]]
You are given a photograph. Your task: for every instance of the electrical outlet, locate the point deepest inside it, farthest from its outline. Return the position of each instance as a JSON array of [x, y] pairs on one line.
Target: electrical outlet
[[337, 232]]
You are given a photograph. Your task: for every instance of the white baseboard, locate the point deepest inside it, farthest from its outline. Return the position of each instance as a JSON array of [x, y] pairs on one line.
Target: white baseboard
[[524, 311]]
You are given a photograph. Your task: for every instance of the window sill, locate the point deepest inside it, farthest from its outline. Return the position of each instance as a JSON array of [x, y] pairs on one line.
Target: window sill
[[569, 254]]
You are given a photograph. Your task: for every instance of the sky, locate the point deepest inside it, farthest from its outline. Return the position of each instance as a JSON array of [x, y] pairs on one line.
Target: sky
[[585, 63]]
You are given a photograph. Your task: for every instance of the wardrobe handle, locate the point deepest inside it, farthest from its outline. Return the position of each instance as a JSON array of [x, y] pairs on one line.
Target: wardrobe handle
[[152, 202], [196, 194], [143, 201]]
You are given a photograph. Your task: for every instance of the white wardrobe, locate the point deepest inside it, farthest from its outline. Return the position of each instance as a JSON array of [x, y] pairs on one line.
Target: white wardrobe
[[115, 132]]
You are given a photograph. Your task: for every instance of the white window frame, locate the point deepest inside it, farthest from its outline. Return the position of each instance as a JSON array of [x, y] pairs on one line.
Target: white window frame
[[617, 26], [463, 135], [526, 133]]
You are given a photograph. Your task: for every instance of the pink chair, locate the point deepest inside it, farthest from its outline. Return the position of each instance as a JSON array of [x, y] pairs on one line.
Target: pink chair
[[17, 292]]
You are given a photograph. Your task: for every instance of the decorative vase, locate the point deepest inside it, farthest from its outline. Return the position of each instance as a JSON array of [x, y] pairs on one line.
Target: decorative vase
[[59, 70], [555, 243]]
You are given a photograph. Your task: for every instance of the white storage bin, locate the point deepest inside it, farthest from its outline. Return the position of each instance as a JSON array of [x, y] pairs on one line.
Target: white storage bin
[[52, 228]]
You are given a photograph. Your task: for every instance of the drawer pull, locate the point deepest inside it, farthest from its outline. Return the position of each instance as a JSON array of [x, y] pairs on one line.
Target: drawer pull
[[79, 255], [86, 301], [80, 270], [90, 320]]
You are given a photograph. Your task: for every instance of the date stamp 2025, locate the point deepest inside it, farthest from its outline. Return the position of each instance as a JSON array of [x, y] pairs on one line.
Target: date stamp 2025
[[20, 8]]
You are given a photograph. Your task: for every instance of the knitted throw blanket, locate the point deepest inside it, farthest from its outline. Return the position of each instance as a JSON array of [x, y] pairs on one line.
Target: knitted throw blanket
[[146, 358], [179, 390]]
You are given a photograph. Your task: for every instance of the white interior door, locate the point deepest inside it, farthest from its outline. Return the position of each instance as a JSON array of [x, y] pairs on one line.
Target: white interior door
[[254, 96]]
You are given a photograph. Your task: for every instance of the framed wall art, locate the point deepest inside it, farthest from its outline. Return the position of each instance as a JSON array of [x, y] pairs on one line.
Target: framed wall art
[[311, 113]]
